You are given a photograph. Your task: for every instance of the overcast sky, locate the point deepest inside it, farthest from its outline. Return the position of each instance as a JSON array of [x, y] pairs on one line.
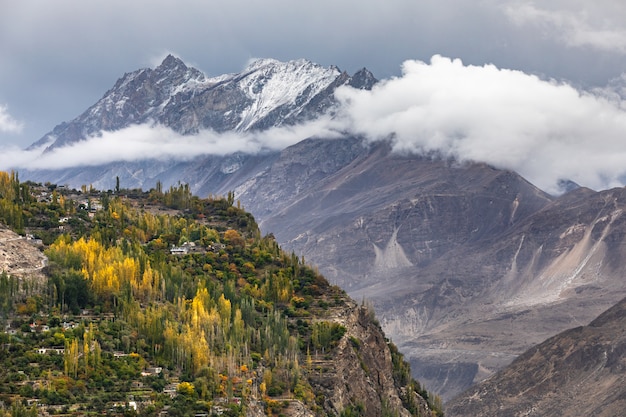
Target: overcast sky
[[59, 57]]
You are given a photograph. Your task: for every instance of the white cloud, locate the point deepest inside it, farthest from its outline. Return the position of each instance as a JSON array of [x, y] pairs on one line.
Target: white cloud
[[7, 123], [142, 142], [576, 25], [544, 130]]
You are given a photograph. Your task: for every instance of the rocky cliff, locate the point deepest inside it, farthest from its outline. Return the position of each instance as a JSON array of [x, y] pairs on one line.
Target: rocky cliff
[[359, 375], [360, 372]]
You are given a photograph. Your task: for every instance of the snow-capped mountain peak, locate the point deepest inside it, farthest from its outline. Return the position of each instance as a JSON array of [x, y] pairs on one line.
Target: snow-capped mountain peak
[[266, 93], [271, 85]]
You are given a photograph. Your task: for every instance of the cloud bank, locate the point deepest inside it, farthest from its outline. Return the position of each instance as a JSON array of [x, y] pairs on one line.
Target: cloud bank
[[544, 130], [149, 141]]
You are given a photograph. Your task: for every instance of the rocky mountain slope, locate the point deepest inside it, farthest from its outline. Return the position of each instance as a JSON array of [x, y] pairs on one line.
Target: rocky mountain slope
[[467, 266], [580, 372]]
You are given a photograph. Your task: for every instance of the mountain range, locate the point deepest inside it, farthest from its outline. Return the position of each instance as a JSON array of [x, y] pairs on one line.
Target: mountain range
[[467, 266]]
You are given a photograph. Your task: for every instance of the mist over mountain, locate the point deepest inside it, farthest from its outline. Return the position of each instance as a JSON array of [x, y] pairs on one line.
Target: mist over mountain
[[379, 184]]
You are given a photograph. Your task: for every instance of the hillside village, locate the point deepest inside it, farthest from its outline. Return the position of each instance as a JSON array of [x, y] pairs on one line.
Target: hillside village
[[31, 326], [159, 303]]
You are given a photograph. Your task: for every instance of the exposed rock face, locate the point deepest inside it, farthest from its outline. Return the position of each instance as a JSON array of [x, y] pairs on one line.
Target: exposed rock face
[[497, 297], [361, 370], [580, 372], [20, 257]]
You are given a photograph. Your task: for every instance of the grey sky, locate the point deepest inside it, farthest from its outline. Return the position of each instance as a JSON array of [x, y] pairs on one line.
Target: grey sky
[[59, 57]]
